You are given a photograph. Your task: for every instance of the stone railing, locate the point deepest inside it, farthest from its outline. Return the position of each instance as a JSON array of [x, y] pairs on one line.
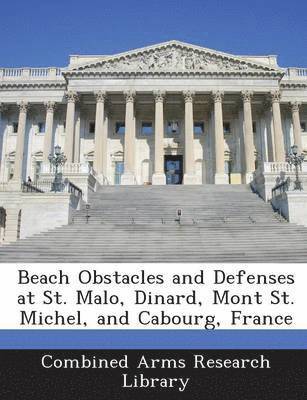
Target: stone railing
[[68, 168], [49, 73], [296, 73], [277, 167]]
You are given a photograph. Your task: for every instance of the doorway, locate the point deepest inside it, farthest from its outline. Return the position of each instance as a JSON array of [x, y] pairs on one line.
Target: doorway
[[173, 167], [119, 170]]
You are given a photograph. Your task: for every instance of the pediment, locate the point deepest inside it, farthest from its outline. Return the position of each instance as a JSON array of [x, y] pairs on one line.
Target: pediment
[[173, 58]]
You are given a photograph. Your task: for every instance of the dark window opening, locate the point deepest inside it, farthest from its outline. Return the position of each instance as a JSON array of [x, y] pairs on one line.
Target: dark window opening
[[120, 128]]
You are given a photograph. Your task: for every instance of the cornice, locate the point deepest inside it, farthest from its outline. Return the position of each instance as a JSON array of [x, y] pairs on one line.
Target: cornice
[[172, 74], [174, 45], [293, 85], [32, 85]]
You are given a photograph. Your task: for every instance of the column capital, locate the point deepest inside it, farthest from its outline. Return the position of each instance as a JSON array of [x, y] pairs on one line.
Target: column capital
[[275, 96], [71, 97], [246, 95], [294, 105], [188, 96], [50, 106], [159, 96], [23, 106], [101, 96], [217, 96], [129, 96]]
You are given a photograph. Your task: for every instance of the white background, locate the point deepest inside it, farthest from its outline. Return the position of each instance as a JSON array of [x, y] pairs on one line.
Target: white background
[[10, 309]]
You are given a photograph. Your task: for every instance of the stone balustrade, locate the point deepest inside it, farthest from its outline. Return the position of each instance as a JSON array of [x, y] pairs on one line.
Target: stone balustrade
[[68, 168], [277, 167], [30, 73], [296, 73]]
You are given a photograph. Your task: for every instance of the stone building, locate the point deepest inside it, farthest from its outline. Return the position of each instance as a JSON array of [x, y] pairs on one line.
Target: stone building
[[170, 113]]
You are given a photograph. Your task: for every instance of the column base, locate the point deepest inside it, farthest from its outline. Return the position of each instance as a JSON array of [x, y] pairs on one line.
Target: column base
[[248, 177], [127, 179], [221, 179], [158, 179], [190, 179]]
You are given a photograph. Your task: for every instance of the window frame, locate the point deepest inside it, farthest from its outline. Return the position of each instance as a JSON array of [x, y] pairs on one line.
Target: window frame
[[203, 128], [116, 131], [91, 124], [39, 125], [14, 123], [152, 128], [224, 130]]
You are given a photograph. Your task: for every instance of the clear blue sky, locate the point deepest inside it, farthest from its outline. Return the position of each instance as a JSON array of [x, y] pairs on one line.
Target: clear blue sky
[[45, 32]]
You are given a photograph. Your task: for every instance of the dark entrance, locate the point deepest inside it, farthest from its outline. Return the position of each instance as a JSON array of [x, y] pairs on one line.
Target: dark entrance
[[173, 166]]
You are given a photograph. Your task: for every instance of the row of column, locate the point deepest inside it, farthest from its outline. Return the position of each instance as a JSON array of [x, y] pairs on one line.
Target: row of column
[[129, 152]]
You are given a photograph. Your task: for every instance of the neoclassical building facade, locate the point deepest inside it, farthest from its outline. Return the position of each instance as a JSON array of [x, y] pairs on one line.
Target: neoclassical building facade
[[165, 114]]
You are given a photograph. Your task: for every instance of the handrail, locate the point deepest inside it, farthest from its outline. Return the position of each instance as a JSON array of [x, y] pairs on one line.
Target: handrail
[[73, 189], [29, 187]]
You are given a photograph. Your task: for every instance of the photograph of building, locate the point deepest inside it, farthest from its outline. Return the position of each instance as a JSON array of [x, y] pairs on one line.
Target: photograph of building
[[147, 132]]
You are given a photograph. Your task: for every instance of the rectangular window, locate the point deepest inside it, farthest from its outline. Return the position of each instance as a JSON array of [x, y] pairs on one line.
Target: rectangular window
[[199, 128], [172, 128], [254, 127], [227, 129], [147, 128], [41, 127], [91, 128], [303, 126], [15, 127], [64, 126], [120, 128]]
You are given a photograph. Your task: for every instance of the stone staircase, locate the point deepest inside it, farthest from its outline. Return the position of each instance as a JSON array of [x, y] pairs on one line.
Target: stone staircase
[[219, 223]]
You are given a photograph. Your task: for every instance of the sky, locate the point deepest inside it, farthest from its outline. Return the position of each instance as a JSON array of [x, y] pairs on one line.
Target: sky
[[38, 33]]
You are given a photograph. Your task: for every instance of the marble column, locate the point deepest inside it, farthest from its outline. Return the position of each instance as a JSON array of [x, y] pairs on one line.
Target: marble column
[[158, 177], [100, 151], [50, 107], [2, 109], [249, 155], [128, 177], [20, 145], [77, 136], [220, 176], [297, 131], [278, 132], [189, 177], [72, 98]]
